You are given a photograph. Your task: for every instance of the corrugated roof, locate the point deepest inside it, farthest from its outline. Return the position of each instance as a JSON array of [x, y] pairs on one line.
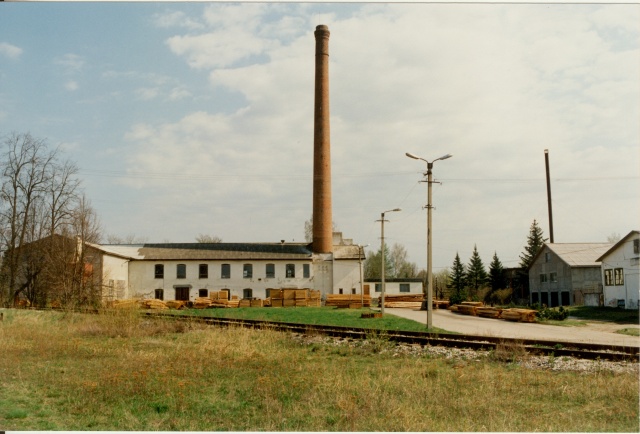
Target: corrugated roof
[[579, 254]]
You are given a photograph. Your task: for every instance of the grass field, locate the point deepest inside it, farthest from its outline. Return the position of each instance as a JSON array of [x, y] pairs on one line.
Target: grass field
[[610, 314], [118, 371]]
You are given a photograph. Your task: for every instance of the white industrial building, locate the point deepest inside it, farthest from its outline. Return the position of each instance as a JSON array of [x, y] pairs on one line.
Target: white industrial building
[[185, 271]]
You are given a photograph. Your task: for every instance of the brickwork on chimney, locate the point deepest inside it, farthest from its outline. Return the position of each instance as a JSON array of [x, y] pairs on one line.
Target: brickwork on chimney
[[322, 211]]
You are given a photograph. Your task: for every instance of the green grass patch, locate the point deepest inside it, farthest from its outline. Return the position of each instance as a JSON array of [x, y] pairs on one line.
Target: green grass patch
[[629, 331], [330, 316], [609, 314]]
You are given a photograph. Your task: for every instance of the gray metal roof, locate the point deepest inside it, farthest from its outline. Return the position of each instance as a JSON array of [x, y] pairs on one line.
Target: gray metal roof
[[579, 254], [210, 251]]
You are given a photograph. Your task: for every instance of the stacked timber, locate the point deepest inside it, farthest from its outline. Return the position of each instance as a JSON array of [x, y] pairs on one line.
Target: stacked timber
[[468, 308], [520, 315], [202, 303], [126, 303], [352, 301], [175, 304], [440, 304], [294, 297], [153, 304], [408, 301], [489, 312]]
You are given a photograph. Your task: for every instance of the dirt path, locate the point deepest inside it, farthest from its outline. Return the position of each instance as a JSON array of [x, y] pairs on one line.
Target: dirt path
[[593, 332]]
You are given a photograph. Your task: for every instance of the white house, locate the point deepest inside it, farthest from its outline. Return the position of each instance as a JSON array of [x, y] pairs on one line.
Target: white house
[[185, 271], [621, 272]]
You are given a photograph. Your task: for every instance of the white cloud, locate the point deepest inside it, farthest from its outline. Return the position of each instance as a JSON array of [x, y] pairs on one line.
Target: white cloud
[[71, 85], [10, 50], [71, 63], [170, 19]]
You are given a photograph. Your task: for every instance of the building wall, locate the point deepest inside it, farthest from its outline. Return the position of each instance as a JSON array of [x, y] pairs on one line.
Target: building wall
[[346, 277], [626, 294], [587, 286], [115, 278], [557, 289], [393, 287], [143, 282]]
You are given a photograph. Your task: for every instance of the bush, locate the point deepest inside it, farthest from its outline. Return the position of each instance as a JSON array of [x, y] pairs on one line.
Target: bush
[[546, 313]]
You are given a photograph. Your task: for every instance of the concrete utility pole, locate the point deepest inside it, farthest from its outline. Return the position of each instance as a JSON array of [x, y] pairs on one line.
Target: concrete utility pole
[[383, 283], [430, 181]]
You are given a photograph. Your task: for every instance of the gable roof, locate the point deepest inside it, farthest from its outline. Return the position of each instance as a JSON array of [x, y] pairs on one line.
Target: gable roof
[[576, 254], [624, 239]]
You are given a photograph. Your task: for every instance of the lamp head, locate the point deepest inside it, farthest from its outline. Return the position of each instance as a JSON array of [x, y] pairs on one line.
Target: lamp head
[[444, 157], [410, 155]]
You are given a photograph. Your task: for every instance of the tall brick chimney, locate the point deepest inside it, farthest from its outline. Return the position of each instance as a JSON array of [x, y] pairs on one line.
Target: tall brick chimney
[[322, 218]]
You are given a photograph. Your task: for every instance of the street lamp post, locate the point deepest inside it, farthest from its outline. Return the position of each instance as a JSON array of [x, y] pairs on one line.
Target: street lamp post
[[429, 258], [382, 220]]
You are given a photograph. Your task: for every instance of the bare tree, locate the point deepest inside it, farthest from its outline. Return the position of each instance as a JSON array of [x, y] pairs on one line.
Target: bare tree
[[205, 238], [38, 192], [127, 239]]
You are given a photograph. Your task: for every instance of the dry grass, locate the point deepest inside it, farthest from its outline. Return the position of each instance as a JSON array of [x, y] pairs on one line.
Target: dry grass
[[123, 372]]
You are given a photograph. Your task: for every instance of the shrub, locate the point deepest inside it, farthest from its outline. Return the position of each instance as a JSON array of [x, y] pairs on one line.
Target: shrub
[[546, 313]]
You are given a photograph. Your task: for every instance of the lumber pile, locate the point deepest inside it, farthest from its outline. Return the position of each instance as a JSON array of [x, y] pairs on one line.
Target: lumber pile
[[289, 297], [175, 304], [153, 303], [408, 301], [352, 301], [441, 304], [489, 312], [520, 315], [202, 303], [126, 303]]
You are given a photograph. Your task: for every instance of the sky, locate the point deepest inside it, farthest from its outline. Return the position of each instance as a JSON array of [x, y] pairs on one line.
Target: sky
[[197, 118]]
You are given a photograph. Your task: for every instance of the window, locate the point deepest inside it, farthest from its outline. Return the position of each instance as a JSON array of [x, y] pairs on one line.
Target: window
[[340, 291], [290, 270], [203, 293], [270, 271], [618, 276], [405, 287], [543, 278], [159, 271], [247, 271], [306, 271], [225, 271], [636, 246], [378, 287], [181, 271], [159, 294], [608, 277], [553, 277], [547, 257], [353, 291], [247, 293], [203, 271]]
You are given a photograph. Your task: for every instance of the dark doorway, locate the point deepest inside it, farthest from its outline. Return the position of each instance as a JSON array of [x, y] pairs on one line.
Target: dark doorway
[[182, 293]]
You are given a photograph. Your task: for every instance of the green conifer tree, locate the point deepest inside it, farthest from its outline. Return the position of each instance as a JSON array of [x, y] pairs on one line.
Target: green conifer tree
[[497, 278], [476, 273], [457, 282]]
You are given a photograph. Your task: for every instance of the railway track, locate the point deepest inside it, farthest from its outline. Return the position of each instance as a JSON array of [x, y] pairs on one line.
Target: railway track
[[538, 347]]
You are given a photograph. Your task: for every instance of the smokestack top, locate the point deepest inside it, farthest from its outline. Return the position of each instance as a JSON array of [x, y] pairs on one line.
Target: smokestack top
[[322, 28]]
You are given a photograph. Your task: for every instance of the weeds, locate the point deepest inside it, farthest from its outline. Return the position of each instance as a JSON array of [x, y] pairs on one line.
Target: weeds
[[509, 352]]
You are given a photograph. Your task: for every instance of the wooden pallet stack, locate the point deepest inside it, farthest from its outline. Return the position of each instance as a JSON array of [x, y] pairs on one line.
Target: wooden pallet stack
[[352, 301], [467, 307], [176, 304], [290, 297], [202, 303]]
